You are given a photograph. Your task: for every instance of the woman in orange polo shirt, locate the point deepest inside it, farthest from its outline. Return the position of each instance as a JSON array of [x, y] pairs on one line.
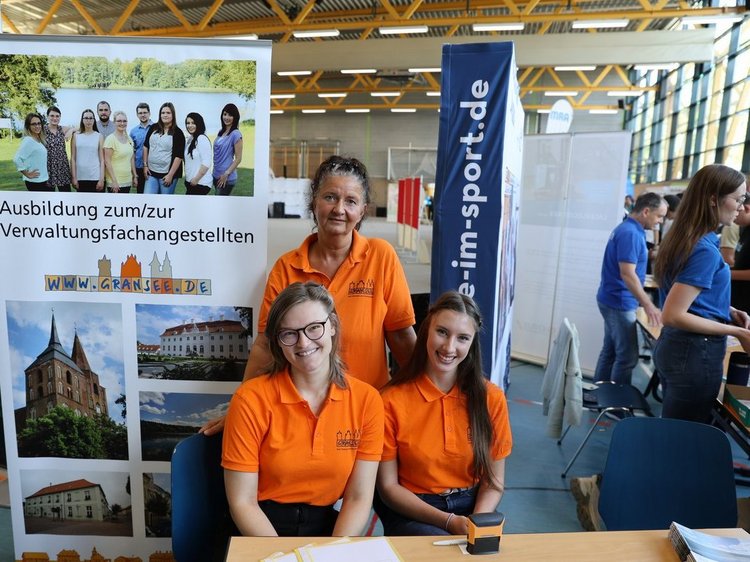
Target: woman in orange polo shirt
[[446, 429], [304, 435]]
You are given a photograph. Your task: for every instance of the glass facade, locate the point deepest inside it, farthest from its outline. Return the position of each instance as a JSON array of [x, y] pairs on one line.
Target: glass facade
[[698, 115]]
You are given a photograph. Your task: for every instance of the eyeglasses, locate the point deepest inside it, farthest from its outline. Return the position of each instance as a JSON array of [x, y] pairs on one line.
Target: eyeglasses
[[313, 332], [742, 199]]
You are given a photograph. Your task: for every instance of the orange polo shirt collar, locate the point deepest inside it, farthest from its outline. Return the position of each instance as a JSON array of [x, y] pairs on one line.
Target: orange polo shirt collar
[[430, 392], [358, 252], [288, 393]]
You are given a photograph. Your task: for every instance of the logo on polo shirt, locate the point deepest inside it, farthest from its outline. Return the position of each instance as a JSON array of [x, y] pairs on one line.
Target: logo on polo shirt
[[362, 288], [348, 439]]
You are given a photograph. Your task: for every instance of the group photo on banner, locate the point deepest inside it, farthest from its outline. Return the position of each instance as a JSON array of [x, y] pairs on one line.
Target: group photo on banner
[[125, 322]]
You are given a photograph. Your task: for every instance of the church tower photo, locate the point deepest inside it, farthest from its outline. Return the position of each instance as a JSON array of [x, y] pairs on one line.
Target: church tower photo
[[55, 378]]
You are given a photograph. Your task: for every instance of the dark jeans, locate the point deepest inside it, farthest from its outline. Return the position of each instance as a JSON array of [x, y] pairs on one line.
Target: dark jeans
[[63, 188], [196, 189], [690, 367], [300, 519], [395, 524], [141, 179], [38, 186], [226, 190]]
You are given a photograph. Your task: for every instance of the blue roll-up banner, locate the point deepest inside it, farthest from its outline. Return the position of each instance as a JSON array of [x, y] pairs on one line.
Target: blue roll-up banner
[[477, 189]]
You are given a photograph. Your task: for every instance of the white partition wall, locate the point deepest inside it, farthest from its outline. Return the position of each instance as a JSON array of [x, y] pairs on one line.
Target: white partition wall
[[573, 188]]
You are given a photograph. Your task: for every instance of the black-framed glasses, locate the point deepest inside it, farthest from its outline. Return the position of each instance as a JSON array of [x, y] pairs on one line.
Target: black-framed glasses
[[313, 332]]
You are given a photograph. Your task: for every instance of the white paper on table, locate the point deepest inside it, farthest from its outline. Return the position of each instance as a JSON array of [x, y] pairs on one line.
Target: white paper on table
[[371, 550]]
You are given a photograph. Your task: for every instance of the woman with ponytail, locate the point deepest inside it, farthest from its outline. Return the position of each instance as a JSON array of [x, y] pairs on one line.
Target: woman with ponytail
[[447, 431]]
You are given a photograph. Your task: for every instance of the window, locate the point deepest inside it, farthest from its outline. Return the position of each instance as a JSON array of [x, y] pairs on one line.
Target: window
[[87, 495], [89, 512]]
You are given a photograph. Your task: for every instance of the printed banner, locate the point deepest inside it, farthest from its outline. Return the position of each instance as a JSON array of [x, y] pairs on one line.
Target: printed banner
[[125, 318], [477, 188]]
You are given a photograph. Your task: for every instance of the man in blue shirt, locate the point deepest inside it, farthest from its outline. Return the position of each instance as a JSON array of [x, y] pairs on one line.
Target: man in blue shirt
[[138, 134], [621, 289]]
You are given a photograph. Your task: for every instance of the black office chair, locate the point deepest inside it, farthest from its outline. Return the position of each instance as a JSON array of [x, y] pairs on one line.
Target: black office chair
[[201, 523], [661, 470], [608, 397]]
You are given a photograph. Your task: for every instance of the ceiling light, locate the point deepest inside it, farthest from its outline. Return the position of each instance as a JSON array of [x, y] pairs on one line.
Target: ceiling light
[[248, 37], [359, 71], [385, 94], [574, 68], [282, 96], [433, 94], [421, 69], [355, 110], [294, 73], [661, 66], [277, 111], [403, 29], [310, 33], [313, 111], [624, 93], [600, 24], [543, 110], [561, 93], [602, 111], [707, 20], [332, 95], [510, 26], [403, 110]]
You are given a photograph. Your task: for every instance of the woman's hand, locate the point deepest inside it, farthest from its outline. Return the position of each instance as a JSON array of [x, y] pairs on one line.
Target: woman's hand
[[221, 182], [100, 185], [458, 525], [115, 187], [167, 180], [739, 318], [30, 174], [212, 427]]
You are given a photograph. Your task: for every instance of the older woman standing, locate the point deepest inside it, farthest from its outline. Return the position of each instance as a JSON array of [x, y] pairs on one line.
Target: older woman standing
[[119, 156], [304, 435], [58, 165], [694, 285], [31, 157], [363, 275]]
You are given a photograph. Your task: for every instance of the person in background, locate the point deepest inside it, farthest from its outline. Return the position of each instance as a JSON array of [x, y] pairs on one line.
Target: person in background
[[119, 157], [364, 276], [694, 282], [304, 435], [447, 431], [138, 134], [163, 151], [227, 150], [198, 156], [31, 157], [104, 124], [87, 155], [58, 165], [738, 257], [672, 203], [621, 290], [627, 207]]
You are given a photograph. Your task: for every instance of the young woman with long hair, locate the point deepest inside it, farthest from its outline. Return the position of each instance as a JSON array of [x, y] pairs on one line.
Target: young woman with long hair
[[31, 157], [87, 155], [227, 150], [163, 151], [447, 431], [58, 164], [198, 157], [306, 433], [694, 285]]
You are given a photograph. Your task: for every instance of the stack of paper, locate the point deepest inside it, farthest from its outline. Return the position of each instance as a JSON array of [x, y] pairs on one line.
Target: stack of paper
[[343, 550], [694, 546]]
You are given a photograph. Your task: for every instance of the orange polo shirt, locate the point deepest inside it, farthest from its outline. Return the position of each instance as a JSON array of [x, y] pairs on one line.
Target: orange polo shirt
[[428, 432], [299, 457], [371, 295]]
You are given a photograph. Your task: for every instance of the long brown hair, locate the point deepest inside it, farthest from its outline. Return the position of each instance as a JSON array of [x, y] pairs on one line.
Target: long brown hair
[[470, 379], [697, 215], [294, 294]]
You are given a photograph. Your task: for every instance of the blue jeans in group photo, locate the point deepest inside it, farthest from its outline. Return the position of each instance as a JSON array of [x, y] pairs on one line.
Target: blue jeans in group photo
[[396, 525], [156, 185], [690, 368], [619, 354]]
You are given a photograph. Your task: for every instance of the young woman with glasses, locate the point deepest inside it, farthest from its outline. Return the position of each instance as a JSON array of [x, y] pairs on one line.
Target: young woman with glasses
[[87, 155], [119, 156], [304, 435], [31, 157], [694, 286]]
